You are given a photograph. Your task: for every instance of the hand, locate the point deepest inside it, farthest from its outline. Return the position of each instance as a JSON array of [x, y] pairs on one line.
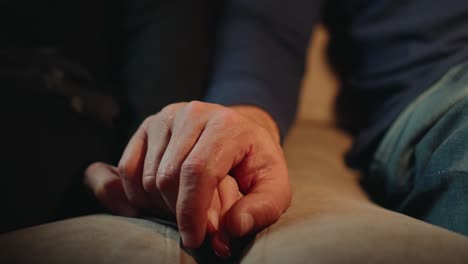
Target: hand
[[105, 183], [184, 152]]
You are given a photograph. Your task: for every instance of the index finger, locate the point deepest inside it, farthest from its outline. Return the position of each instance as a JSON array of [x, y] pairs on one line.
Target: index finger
[[208, 163]]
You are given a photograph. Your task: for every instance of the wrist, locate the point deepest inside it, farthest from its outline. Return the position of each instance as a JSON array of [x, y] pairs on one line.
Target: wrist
[[261, 117]]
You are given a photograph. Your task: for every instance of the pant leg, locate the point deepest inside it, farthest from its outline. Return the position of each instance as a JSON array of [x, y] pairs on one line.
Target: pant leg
[[421, 165], [166, 57], [439, 194]]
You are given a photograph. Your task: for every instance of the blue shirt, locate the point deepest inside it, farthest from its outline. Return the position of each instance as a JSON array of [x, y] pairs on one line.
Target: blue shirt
[[386, 51]]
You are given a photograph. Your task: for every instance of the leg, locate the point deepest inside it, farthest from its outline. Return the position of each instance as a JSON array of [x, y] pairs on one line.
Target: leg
[[440, 192], [94, 239], [332, 221], [423, 159]]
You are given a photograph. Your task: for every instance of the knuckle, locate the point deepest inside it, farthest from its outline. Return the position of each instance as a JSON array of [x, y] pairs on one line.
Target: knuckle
[[159, 125], [148, 120], [193, 110], [163, 120], [166, 177], [123, 172], [103, 190], [148, 173], [149, 182], [170, 109], [194, 106], [227, 117], [165, 114], [150, 167], [193, 166]]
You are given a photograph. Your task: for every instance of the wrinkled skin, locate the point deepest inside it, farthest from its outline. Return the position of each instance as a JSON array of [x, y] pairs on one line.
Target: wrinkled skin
[[178, 164]]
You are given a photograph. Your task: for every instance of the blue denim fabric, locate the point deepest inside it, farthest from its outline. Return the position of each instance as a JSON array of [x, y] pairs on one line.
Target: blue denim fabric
[[421, 165]]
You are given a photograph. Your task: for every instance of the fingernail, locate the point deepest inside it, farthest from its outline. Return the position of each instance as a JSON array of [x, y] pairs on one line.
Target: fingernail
[[213, 220], [187, 240], [226, 253], [247, 223]]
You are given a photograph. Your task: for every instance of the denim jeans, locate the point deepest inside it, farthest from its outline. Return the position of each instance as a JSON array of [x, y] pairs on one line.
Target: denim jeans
[[421, 165]]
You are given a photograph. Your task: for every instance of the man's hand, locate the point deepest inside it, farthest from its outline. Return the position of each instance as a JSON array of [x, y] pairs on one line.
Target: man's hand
[[106, 184], [183, 153]]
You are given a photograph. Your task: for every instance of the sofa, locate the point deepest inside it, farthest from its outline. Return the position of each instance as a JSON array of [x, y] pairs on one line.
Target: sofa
[[331, 220]]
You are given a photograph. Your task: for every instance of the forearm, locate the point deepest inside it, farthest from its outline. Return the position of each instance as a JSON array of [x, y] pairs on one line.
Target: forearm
[[260, 56]]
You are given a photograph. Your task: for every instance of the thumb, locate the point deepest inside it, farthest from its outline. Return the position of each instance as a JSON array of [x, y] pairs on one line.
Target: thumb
[[255, 212]]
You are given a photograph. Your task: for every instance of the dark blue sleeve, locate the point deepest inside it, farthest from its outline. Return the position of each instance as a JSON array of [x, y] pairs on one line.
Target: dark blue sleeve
[[261, 54]]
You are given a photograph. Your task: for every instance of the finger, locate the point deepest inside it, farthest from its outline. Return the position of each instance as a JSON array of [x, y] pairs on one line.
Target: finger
[[215, 153], [213, 213], [187, 126], [225, 195], [131, 167], [229, 194], [259, 169], [262, 176], [104, 182], [260, 208], [158, 136]]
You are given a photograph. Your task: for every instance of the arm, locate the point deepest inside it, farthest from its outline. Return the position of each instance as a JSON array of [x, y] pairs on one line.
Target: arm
[[181, 154], [346, 225], [261, 54]]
